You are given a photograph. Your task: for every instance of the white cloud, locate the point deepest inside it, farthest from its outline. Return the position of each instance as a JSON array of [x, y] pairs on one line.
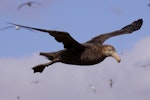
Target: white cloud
[[61, 81]]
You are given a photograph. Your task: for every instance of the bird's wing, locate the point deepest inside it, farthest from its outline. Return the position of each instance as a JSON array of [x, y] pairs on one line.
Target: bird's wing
[[6, 27], [21, 5], [60, 36], [136, 25]]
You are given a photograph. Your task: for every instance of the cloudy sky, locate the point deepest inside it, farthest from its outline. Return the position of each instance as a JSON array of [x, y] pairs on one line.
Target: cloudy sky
[[83, 19]]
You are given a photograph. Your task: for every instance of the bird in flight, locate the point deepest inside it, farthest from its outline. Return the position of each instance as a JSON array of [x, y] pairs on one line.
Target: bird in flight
[[35, 82], [18, 97], [16, 27], [92, 87], [29, 3], [88, 53], [111, 82]]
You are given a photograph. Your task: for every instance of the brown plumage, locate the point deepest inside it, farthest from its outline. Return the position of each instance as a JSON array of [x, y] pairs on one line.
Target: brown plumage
[[88, 53]]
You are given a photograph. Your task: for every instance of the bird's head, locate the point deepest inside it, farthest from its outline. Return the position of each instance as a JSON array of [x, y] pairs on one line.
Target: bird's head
[[110, 51]]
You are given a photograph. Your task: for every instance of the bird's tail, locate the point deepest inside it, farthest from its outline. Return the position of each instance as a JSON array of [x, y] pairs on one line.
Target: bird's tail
[[49, 56]]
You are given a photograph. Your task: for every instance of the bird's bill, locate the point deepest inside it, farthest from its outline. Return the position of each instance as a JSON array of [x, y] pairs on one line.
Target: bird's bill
[[115, 55]]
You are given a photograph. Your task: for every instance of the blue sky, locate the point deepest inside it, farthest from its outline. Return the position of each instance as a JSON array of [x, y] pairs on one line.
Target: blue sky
[[83, 19]]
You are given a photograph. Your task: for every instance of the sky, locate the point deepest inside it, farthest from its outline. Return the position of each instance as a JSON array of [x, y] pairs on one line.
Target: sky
[[83, 20]]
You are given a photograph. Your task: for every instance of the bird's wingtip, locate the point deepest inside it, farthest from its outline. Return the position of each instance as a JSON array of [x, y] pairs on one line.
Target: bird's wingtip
[[140, 20]]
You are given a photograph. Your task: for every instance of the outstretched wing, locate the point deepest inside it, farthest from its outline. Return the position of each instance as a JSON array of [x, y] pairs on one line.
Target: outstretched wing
[[28, 4], [20, 6], [60, 36], [136, 25]]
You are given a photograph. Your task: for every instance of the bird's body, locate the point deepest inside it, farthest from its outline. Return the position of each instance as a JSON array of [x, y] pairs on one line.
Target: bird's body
[[93, 54], [88, 53], [86, 57]]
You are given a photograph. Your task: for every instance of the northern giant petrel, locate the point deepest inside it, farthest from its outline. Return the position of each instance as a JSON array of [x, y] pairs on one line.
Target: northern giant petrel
[[88, 53]]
